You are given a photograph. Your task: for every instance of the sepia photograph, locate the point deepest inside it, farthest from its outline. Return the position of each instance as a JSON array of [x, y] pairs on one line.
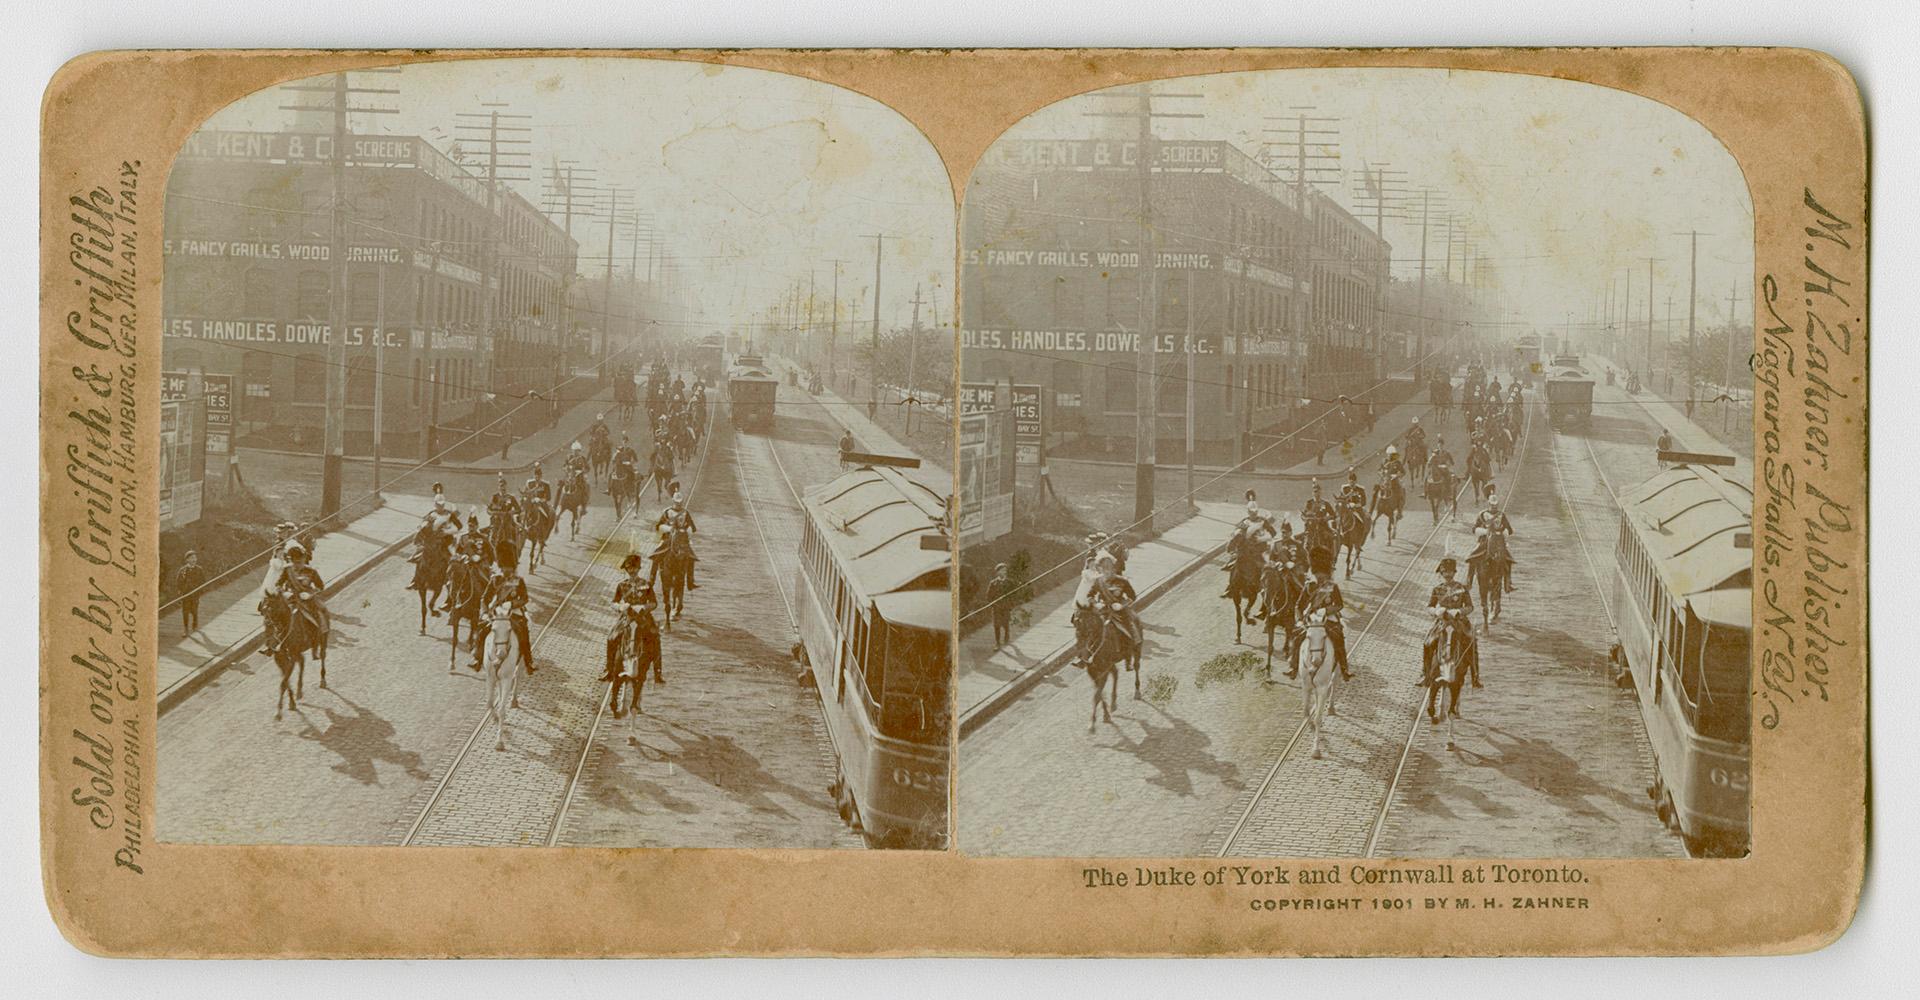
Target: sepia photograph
[[1356, 463], [555, 452]]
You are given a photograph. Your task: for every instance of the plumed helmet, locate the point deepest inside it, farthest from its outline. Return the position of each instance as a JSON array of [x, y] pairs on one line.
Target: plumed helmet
[[632, 562], [295, 549], [576, 446], [1448, 566]]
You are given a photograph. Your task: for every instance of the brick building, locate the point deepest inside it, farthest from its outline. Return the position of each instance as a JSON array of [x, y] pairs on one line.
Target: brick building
[[1275, 300], [248, 286]]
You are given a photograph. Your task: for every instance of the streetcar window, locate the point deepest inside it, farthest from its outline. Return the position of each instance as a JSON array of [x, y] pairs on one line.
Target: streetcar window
[[915, 704], [1716, 679], [873, 657]]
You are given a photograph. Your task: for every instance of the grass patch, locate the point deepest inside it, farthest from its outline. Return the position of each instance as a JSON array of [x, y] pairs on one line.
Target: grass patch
[[1227, 667], [1159, 688]]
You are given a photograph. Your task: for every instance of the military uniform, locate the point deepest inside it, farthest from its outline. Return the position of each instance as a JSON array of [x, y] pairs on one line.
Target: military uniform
[[502, 505], [1451, 594], [296, 579], [513, 592], [1353, 495], [1498, 530], [636, 591], [1392, 467], [1317, 509], [1324, 595], [679, 521], [577, 462]]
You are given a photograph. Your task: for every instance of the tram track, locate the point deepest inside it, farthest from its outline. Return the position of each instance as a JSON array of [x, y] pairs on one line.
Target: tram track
[[1359, 643], [620, 531]]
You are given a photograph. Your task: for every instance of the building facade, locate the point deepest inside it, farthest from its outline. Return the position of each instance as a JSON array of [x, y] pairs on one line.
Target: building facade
[[1269, 300], [248, 290]]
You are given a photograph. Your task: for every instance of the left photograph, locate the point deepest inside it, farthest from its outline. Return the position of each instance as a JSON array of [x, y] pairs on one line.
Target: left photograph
[[556, 452]]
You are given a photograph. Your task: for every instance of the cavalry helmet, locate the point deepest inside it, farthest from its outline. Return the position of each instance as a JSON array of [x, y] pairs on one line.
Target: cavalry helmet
[[1448, 566], [632, 562], [576, 446], [296, 549], [1391, 450]]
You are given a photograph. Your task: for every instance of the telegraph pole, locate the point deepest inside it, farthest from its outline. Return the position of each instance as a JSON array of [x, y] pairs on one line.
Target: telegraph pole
[[913, 358], [614, 194], [1420, 351], [333, 449], [1146, 403], [873, 372], [1650, 261], [833, 323], [564, 180], [1693, 295], [1726, 381]]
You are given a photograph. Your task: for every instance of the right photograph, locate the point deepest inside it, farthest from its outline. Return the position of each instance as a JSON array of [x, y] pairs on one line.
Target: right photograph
[[1356, 463]]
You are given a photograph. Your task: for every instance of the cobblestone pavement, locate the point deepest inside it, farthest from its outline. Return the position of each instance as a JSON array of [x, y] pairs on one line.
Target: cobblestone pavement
[[344, 768], [732, 751], [1552, 760]]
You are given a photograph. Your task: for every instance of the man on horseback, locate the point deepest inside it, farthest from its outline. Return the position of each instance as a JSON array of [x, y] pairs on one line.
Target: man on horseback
[[502, 504], [1449, 595], [1317, 509], [1106, 593], [1416, 434], [1392, 467], [299, 586], [576, 460], [598, 433], [1324, 595], [505, 587], [626, 455], [662, 469], [276, 568], [1498, 529], [538, 492], [633, 598], [678, 520], [1352, 494]]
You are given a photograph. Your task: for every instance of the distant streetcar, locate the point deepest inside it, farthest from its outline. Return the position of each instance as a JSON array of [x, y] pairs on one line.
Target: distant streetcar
[[751, 391], [1528, 359], [1683, 597], [876, 631]]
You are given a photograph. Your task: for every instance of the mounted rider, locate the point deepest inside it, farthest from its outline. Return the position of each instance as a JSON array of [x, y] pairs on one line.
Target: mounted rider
[[576, 460], [1440, 460], [538, 493], [678, 522], [1099, 542], [276, 567], [1104, 592], [1283, 580], [299, 586], [1452, 595], [502, 505], [1494, 522], [599, 434], [1249, 539], [633, 604], [1392, 467], [1324, 595], [661, 465], [1317, 510], [1352, 495], [504, 587], [626, 455], [1416, 434]]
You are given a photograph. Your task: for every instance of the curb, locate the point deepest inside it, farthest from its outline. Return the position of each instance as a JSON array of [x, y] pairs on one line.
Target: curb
[[1012, 690], [171, 696]]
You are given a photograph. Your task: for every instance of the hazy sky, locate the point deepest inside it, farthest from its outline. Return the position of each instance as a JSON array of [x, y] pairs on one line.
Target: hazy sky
[[1567, 183], [752, 178]]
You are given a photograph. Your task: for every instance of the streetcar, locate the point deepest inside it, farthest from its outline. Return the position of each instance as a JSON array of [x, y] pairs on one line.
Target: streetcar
[[1569, 398], [708, 358], [751, 390], [875, 617], [1527, 357], [1683, 598]]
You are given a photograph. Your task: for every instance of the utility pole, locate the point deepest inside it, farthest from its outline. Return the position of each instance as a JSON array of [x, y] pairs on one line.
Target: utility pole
[[1693, 295], [614, 194], [913, 358], [1650, 261], [379, 365], [1420, 350], [833, 323], [873, 371], [1726, 381], [1146, 403], [494, 272], [333, 448]]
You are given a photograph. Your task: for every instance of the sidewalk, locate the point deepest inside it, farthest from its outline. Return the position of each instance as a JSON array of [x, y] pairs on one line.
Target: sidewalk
[[230, 624], [1687, 434], [869, 435], [540, 446], [990, 680]]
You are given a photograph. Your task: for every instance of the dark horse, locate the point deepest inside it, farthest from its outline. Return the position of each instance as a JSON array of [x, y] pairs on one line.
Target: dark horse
[[624, 487], [536, 525], [1105, 645], [599, 456], [1322, 536], [466, 584], [1244, 581], [1453, 657], [1416, 460], [303, 630], [672, 566], [503, 537], [430, 570], [1389, 501], [573, 500], [1354, 527]]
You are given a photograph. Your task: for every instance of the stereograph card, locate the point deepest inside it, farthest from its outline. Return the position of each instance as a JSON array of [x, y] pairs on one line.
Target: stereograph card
[[1106, 502]]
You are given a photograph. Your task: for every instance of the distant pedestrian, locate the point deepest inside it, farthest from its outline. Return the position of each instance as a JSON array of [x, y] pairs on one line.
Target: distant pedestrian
[[1663, 443], [233, 469], [999, 594], [846, 447], [187, 583]]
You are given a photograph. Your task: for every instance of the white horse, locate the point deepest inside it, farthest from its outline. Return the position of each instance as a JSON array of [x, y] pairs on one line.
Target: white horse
[[502, 658], [1319, 674]]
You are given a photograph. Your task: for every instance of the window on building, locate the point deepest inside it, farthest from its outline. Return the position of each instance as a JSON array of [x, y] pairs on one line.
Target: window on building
[[363, 290], [310, 379], [1121, 388], [310, 296], [256, 293], [360, 381]]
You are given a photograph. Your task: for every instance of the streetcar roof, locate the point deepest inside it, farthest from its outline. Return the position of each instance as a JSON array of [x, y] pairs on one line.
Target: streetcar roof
[[1729, 608], [873, 520], [1692, 521], [931, 610]]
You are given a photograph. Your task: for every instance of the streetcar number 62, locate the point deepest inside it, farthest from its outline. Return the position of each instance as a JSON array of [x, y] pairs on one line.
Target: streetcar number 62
[[1722, 778]]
